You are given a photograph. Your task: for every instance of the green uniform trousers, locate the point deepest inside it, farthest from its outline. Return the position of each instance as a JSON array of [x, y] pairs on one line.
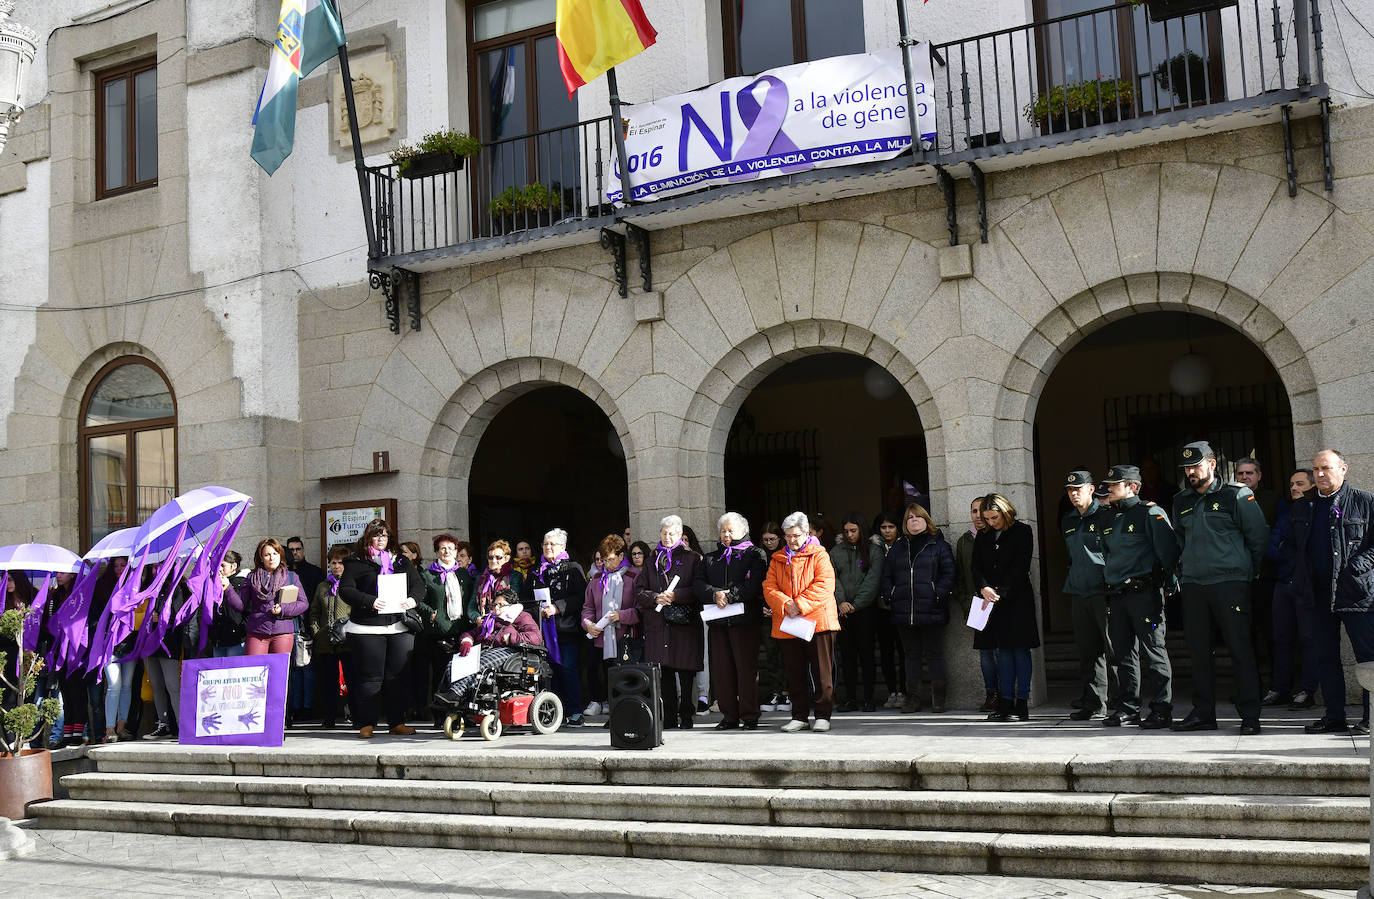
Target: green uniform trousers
[[1228, 605], [1135, 619]]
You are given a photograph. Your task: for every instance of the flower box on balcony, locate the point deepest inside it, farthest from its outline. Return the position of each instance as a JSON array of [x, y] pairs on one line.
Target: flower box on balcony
[[426, 164], [1082, 104], [438, 152], [522, 208]]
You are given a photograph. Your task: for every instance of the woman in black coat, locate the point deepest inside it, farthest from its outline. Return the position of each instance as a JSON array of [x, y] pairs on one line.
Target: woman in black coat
[[734, 574], [380, 642], [1001, 572], [567, 587], [917, 580], [679, 644]]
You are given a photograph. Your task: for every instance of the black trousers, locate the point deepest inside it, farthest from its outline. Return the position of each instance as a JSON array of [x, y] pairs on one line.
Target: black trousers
[[922, 643], [1137, 618], [382, 664], [855, 646], [1089, 614], [679, 702], [1228, 605]]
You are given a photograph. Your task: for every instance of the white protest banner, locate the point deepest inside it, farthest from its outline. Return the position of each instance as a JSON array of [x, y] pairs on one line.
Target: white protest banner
[[831, 112]]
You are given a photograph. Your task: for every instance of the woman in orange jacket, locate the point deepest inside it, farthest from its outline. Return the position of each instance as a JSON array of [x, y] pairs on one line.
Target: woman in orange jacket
[[801, 585]]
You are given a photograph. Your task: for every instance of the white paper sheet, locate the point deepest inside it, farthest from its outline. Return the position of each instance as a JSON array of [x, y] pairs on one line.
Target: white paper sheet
[[712, 612], [601, 625], [803, 628], [462, 666], [543, 596], [672, 585], [978, 611], [391, 591]]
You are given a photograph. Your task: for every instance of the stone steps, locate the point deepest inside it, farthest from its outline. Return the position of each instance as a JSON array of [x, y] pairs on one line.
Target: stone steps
[[1169, 858], [1252, 819], [1335, 818]]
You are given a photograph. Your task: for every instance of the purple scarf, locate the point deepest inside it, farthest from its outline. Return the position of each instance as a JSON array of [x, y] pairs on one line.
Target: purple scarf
[[663, 556], [810, 541], [333, 584], [604, 578], [550, 563], [727, 553], [443, 572], [491, 580], [384, 559], [265, 584]]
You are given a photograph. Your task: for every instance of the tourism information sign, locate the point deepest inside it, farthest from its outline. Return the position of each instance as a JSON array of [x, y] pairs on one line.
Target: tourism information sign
[[234, 702], [831, 112]]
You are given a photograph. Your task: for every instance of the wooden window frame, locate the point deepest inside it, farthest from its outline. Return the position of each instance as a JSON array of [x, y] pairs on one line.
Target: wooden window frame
[[128, 72], [128, 430]]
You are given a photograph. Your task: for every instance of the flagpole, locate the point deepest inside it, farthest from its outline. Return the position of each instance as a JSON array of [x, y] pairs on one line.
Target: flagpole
[[364, 190], [618, 131]]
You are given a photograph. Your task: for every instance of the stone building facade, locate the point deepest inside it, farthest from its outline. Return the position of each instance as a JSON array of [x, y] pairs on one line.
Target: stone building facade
[[250, 295]]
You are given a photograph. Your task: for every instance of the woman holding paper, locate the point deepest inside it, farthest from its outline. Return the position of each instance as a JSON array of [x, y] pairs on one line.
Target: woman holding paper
[[560, 588], [674, 639], [800, 589], [1001, 573], [610, 615], [270, 599], [917, 579], [379, 588], [729, 586]]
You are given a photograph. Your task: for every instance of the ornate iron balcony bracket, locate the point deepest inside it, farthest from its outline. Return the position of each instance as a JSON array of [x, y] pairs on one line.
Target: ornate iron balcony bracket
[[640, 238], [1288, 159], [946, 183], [615, 242], [398, 285], [980, 185]]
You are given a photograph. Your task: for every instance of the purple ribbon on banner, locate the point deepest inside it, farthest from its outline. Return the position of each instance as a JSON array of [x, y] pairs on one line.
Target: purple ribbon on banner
[[765, 136]]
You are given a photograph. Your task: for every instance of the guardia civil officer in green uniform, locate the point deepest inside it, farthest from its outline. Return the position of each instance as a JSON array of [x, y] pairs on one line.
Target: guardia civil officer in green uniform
[[1222, 537], [1140, 552], [1086, 589]]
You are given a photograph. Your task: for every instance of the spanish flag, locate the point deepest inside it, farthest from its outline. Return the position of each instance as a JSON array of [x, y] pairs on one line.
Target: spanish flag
[[594, 35]]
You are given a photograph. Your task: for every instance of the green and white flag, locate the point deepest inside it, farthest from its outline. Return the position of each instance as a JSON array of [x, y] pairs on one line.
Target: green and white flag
[[308, 33]]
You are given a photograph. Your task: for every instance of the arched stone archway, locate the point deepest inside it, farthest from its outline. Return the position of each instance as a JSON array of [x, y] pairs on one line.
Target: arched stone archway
[[446, 462], [712, 410], [1061, 330]]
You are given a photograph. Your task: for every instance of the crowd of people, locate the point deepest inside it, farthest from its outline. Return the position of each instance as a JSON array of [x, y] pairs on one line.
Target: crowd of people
[[781, 624]]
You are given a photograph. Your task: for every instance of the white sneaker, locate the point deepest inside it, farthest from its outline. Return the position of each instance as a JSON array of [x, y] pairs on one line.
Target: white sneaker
[[793, 726], [767, 707], [821, 726], [593, 708]]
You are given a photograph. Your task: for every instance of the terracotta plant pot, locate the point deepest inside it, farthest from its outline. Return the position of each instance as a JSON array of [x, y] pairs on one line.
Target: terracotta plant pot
[[24, 778]]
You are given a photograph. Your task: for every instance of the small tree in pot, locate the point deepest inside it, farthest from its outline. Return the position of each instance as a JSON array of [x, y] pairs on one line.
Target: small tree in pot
[[25, 774]]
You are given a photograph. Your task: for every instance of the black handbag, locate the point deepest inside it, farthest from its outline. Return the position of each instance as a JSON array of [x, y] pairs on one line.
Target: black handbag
[[337, 635], [676, 614], [413, 622]]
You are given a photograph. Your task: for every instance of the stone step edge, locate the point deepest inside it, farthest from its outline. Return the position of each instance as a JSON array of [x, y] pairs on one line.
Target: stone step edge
[[1287, 863], [1079, 773], [1311, 818]]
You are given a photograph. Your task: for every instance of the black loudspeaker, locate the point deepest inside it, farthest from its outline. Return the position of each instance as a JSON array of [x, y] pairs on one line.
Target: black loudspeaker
[[636, 707]]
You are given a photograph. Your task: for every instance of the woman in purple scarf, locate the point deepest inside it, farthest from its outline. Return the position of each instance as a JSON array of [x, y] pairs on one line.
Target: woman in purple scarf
[[268, 614], [567, 585], [499, 575], [677, 647], [733, 574]]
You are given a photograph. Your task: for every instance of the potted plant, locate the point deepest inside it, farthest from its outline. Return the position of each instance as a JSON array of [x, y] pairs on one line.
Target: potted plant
[[518, 208], [438, 152], [1081, 104], [25, 774]]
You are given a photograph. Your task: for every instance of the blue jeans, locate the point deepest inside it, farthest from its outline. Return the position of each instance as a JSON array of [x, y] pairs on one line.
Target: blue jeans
[[567, 674], [1359, 627], [118, 692], [300, 688], [1014, 673], [987, 660], [228, 652]]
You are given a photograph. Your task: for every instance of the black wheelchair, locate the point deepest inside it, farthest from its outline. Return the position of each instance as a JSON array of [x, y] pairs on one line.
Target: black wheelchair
[[513, 691]]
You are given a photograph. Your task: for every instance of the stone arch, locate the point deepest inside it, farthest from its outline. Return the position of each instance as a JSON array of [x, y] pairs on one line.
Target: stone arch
[[718, 398], [446, 460], [1058, 332]]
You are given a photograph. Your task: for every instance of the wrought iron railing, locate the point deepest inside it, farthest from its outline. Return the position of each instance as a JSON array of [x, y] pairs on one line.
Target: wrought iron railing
[[1112, 69], [1079, 76], [529, 181]]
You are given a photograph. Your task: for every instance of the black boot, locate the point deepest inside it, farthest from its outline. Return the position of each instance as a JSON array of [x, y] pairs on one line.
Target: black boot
[[990, 701], [1003, 711], [937, 696], [1023, 709]]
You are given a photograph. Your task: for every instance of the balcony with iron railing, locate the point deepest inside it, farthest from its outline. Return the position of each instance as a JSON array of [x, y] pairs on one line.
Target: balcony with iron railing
[[1079, 84]]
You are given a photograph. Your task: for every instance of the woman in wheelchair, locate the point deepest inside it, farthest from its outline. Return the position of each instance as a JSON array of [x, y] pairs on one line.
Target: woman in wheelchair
[[505, 626]]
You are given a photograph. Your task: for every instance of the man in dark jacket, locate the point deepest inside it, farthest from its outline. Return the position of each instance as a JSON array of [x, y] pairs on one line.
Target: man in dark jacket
[[1140, 552], [1333, 551], [1222, 537], [1082, 528]]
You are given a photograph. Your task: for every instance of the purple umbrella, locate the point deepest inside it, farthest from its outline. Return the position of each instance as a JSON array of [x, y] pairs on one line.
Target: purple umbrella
[[36, 558], [205, 511], [117, 543]]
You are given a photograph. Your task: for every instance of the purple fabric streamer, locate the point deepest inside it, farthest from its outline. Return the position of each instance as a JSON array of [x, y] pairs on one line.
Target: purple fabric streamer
[[549, 631], [68, 624], [204, 581], [33, 623]]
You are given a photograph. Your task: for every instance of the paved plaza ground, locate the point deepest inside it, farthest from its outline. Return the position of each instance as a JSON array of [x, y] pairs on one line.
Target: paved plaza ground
[[81, 863]]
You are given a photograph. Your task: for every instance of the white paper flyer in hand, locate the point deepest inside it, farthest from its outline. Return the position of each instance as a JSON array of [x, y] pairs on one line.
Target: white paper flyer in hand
[[543, 596], [802, 628], [672, 585], [978, 612], [712, 612], [601, 625], [391, 593], [462, 666]]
